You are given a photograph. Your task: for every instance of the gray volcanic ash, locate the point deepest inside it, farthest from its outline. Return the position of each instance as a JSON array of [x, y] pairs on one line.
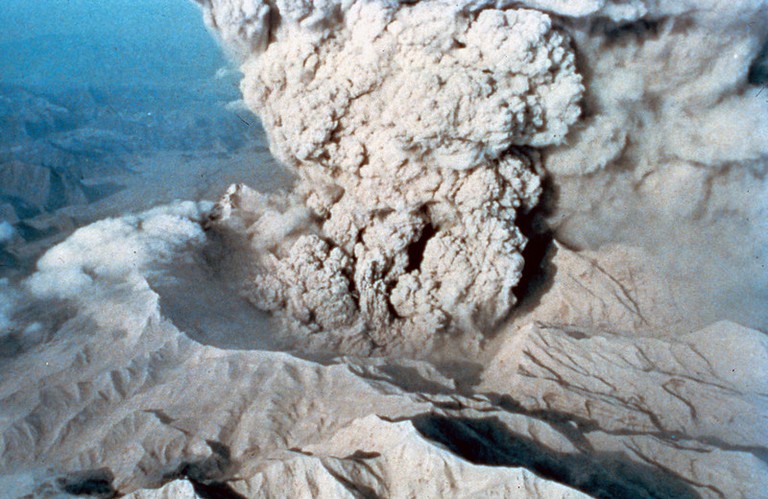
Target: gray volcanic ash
[[503, 269]]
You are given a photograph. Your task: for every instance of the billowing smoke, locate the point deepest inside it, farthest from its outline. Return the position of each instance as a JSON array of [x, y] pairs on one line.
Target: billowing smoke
[[417, 132], [671, 152], [407, 126], [433, 143]]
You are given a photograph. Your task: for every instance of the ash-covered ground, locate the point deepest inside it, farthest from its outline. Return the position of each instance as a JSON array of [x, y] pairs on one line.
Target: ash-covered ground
[[384, 249]]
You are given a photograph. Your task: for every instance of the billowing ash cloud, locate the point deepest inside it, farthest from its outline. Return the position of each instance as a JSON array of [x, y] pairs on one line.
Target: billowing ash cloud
[[406, 125], [420, 134], [672, 150], [416, 127]]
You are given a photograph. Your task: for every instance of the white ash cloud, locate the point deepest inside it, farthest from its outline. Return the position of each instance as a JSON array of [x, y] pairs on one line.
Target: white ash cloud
[[672, 151], [117, 252], [108, 272], [387, 110], [404, 124]]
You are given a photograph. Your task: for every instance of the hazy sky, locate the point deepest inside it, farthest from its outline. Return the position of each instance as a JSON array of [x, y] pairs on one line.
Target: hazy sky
[[103, 41], [22, 19]]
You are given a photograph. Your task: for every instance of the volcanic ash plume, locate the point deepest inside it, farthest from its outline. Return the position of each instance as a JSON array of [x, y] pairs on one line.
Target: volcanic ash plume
[[670, 153], [412, 130]]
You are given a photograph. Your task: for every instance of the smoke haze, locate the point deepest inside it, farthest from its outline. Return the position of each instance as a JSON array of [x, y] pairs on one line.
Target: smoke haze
[[495, 256]]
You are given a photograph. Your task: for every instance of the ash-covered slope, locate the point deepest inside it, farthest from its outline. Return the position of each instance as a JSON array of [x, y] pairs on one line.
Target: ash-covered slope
[[105, 394], [387, 354]]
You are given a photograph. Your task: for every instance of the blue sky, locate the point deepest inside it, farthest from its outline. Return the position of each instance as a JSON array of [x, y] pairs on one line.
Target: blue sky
[[62, 42], [21, 19]]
